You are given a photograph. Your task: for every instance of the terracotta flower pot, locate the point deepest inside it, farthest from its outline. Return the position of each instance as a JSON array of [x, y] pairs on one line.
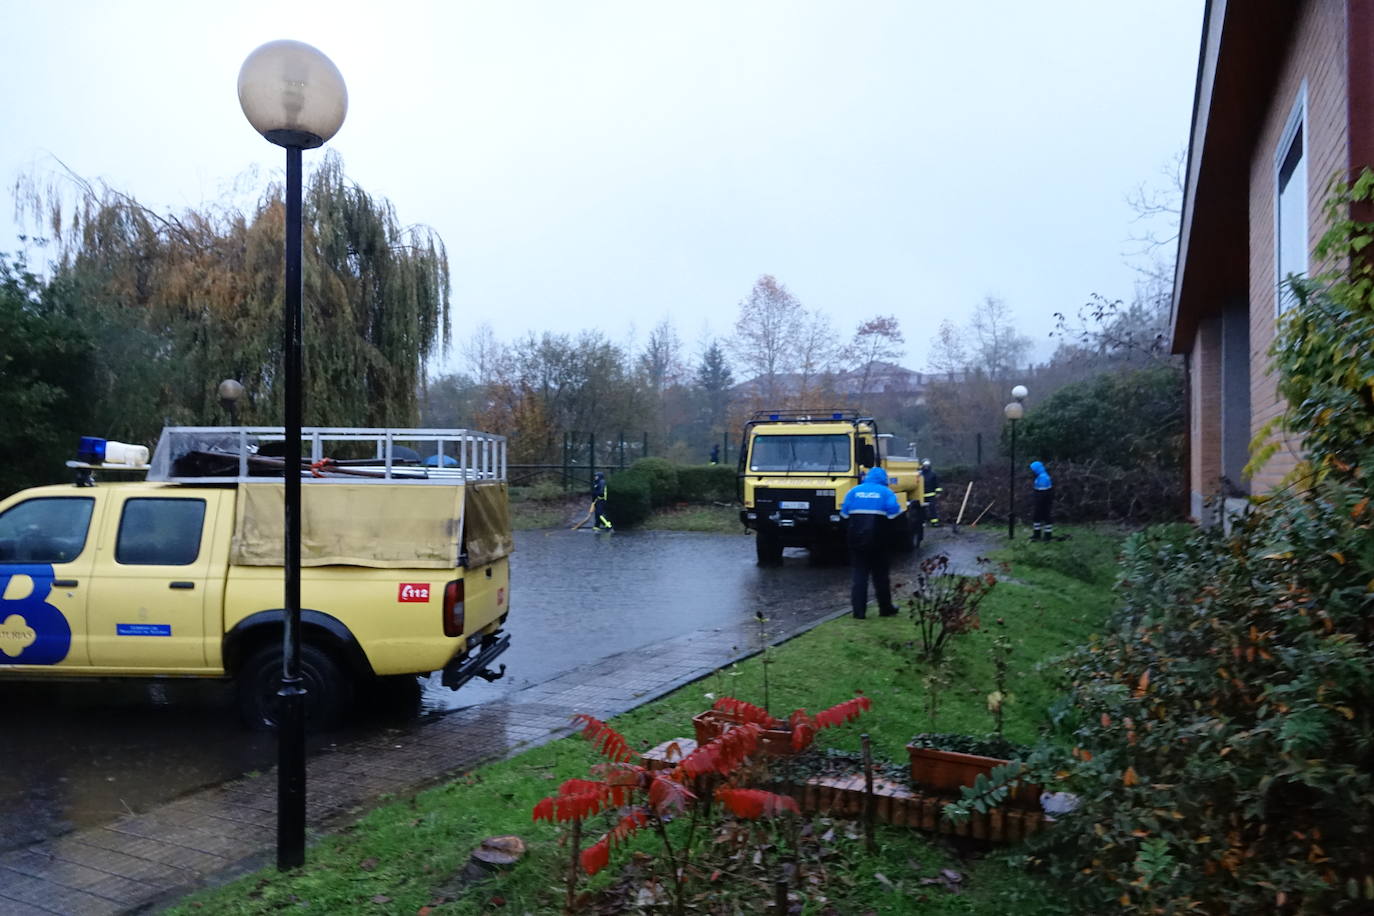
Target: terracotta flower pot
[[947, 771], [776, 742]]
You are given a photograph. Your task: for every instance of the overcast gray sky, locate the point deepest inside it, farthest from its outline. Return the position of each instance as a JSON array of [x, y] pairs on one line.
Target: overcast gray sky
[[611, 163]]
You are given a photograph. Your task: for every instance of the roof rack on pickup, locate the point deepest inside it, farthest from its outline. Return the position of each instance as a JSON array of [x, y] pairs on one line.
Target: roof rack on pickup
[[252, 454]]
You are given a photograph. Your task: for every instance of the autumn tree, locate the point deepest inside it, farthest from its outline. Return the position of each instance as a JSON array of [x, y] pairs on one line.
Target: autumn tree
[[765, 343], [975, 367], [877, 340], [177, 301], [816, 356]]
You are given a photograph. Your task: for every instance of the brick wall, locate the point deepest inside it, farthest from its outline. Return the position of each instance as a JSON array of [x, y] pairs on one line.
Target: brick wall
[[1205, 412], [1317, 54]]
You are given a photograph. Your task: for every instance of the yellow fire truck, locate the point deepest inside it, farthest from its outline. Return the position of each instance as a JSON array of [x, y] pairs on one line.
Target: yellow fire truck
[[405, 567], [795, 468]]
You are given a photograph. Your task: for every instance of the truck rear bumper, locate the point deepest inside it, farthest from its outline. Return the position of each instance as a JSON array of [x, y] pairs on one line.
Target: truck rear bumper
[[464, 668]]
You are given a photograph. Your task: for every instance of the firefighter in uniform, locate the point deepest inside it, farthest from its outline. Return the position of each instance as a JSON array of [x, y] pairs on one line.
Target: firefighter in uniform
[[1042, 518], [932, 490], [599, 503], [869, 510]]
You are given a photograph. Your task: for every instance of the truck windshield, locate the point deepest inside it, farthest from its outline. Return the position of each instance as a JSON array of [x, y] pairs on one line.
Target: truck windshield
[[827, 454]]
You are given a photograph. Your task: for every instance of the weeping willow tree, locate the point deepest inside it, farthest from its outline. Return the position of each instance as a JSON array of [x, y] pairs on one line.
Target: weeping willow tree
[[175, 302]]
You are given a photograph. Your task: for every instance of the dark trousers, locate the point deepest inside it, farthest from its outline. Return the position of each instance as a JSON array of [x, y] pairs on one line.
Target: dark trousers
[[864, 563], [1042, 508]]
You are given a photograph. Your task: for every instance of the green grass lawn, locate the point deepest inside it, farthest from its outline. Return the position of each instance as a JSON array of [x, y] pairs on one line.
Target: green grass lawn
[[400, 857]]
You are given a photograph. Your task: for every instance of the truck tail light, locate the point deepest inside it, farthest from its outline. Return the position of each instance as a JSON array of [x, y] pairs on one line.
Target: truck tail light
[[453, 608]]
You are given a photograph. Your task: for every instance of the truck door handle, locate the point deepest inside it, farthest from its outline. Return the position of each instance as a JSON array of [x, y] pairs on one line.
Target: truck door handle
[[64, 583], [182, 585]]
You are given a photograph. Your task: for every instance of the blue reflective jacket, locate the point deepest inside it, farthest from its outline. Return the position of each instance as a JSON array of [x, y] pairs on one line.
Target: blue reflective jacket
[[869, 508], [1042, 477]]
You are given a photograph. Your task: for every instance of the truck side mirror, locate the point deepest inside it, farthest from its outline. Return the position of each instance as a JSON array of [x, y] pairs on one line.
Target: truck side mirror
[[866, 455]]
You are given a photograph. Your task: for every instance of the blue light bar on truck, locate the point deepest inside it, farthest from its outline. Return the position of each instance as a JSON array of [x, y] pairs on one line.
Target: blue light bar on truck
[[91, 450]]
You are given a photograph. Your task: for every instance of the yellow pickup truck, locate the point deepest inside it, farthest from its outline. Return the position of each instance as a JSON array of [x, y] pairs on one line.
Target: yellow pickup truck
[[795, 468], [404, 565]]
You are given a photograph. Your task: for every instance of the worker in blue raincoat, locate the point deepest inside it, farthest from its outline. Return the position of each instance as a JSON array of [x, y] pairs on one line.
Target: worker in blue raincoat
[[1042, 507], [870, 511]]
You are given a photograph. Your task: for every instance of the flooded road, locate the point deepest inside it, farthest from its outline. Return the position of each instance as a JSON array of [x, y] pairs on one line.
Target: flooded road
[[82, 754]]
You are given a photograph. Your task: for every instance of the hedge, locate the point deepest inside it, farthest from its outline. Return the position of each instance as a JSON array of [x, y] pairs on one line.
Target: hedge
[[628, 499], [706, 483]]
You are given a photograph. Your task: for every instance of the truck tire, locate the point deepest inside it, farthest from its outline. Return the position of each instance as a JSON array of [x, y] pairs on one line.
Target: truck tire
[[911, 530], [329, 689], [768, 549]]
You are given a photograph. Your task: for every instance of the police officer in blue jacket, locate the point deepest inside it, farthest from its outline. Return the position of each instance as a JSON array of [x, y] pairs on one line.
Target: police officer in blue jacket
[[1042, 517], [869, 510]]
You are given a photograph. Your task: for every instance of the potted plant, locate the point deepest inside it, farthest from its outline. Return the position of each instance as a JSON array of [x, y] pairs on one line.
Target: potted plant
[[945, 763]]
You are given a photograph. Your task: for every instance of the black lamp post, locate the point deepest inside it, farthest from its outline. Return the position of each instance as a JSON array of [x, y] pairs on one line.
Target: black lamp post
[[1014, 411], [230, 390], [295, 97]]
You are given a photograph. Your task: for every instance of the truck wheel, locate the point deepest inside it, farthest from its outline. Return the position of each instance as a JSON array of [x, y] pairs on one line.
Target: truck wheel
[[917, 520], [329, 691], [768, 549]]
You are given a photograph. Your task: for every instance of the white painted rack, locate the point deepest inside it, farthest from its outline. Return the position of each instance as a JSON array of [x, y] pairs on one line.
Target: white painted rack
[[233, 454]]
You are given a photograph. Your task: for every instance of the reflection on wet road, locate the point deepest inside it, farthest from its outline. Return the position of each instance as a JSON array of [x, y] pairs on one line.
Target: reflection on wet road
[[577, 596], [80, 754]]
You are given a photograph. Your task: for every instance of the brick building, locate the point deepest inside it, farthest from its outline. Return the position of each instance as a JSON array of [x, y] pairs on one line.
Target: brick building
[[1284, 103]]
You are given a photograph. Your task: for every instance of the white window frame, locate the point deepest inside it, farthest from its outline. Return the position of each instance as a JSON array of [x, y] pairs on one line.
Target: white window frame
[[1297, 120]]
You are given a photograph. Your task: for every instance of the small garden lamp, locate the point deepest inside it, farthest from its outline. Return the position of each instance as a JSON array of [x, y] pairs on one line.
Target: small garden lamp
[[294, 96], [1014, 411]]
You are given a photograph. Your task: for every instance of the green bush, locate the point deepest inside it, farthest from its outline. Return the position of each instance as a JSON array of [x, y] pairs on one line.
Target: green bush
[[706, 483], [1223, 727], [662, 477], [628, 500]]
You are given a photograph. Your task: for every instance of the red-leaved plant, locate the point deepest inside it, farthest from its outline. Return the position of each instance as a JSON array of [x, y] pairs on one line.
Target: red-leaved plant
[[650, 798], [801, 724]]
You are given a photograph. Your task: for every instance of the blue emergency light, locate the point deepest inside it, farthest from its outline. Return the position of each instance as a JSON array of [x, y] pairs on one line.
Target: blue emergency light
[[837, 416], [91, 450], [773, 416]]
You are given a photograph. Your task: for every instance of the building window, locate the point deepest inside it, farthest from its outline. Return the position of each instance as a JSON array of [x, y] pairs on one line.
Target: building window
[[1290, 244]]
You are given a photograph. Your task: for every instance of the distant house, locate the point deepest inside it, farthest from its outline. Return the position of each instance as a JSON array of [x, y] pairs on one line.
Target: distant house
[[1284, 102]]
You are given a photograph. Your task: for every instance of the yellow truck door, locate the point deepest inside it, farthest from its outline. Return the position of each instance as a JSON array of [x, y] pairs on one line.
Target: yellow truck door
[[47, 546], [153, 580]]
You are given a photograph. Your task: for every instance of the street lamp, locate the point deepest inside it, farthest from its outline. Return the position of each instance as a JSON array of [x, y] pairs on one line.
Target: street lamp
[[230, 390], [295, 97], [1014, 411]]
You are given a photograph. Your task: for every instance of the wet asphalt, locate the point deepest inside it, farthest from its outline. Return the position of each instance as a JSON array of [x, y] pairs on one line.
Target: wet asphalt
[[82, 754]]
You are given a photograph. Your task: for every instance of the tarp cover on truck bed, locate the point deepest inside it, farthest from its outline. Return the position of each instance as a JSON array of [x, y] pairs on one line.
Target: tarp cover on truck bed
[[380, 526], [486, 529]]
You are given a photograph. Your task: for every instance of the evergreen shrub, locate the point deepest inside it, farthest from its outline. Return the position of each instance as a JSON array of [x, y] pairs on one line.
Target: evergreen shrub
[[706, 483], [662, 476], [628, 500]]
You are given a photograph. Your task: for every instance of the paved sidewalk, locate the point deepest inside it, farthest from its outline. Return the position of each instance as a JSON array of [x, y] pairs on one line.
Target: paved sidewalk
[[144, 860]]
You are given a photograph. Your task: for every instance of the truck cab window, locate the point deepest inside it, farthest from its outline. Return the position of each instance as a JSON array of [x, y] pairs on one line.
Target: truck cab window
[[160, 532], [805, 453], [46, 530]]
